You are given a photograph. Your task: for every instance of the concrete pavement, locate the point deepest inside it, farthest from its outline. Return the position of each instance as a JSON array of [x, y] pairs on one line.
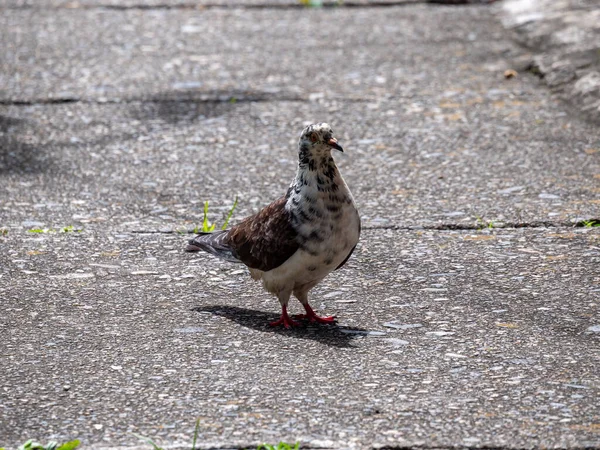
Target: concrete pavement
[[445, 339], [563, 40], [467, 318]]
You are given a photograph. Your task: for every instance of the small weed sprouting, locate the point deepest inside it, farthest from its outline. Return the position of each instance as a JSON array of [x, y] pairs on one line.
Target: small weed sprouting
[[590, 223], [280, 446], [71, 229], [67, 229], [3, 232], [195, 434], [230, 213], [148, 440], [52, 445], [481, 224], [208, 227], [157, 447]]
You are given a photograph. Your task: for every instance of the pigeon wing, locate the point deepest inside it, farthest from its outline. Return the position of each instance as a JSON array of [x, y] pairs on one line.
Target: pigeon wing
[[265, 240], [213, 243]]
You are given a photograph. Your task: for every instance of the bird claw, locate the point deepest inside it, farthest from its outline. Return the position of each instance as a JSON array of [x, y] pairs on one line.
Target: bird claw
[[314, 318], [286, 321]]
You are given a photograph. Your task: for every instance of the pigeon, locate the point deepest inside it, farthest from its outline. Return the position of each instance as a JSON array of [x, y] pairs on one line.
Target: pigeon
[[296, 241]]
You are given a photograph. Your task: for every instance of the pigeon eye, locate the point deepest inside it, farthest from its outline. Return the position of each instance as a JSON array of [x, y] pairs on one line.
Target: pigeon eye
[[314, 137]]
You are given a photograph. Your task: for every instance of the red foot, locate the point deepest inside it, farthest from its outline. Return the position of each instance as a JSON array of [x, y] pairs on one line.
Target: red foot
[[285, 320], [312, 316]]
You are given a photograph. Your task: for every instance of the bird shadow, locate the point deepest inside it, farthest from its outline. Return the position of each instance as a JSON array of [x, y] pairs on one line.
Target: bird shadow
[[332, 335], [16, 155], [188, 105]]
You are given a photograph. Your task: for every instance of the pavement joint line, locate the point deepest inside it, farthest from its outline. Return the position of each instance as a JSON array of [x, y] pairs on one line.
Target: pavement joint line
[[199, 100], [437, 227], [484, 226]]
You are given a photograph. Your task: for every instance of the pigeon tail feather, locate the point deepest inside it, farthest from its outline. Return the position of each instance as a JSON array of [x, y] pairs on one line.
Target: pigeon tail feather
[[213, 243]]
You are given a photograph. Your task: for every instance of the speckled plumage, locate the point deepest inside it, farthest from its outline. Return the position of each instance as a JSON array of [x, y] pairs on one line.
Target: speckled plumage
[[296, 241]]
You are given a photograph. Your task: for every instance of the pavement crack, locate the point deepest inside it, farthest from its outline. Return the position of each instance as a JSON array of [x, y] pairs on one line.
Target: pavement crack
[[591, 223], [200, 99], [472, 227], [44, 101], [183, 98]]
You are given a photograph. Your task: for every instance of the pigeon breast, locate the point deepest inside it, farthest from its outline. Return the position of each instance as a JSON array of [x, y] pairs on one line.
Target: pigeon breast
[[327, 226]]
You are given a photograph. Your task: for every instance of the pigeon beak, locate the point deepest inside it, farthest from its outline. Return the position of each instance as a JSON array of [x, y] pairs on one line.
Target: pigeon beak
[[334, 144]]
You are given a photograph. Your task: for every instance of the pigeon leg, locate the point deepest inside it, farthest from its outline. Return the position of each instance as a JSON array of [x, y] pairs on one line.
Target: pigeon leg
[[285, 319], [310, 314]]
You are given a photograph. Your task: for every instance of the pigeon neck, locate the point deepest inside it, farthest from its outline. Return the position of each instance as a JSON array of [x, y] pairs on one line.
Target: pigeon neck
[[318, 171], [315, 158]]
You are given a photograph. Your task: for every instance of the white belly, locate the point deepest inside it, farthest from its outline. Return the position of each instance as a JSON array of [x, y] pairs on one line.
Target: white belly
[[309, 266]]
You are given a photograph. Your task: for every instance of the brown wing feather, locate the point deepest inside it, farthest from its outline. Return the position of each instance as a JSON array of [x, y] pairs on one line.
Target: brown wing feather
[[265, 240]]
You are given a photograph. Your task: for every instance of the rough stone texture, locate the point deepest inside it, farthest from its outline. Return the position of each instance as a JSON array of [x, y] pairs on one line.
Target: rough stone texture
[[119, 121], [219, 54], [201, 4], [434, 133], [564, 38], [454, 158], [445, 339]]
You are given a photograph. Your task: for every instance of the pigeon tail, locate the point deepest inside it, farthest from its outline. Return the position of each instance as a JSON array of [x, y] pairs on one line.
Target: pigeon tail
[[213, 243]]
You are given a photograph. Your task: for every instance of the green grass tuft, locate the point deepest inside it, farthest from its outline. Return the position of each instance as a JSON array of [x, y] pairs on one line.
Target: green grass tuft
[[52, 445], [481, 224], [280, 446], [196, 433], [148, 440], [230, 214], [590, 223], [67, 229], [41, 230], [155, 446], [208, 227], [71, 229]]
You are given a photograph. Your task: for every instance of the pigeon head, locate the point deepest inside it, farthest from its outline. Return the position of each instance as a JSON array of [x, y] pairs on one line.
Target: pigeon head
[[318, 138]]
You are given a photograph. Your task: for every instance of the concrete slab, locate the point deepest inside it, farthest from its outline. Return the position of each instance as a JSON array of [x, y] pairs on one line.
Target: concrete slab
[[435, 133], [446, 159], [564, 40], [125, 120], [445, 339], [354, 53]]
